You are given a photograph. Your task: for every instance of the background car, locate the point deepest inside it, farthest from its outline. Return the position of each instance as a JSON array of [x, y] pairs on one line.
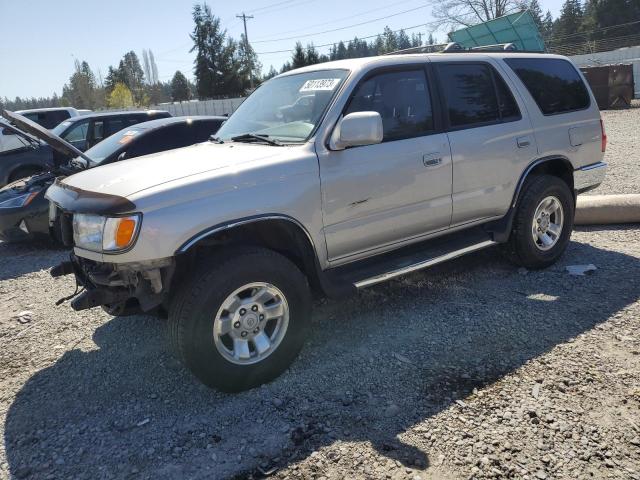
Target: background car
[[23, 208], [83, 132], [47, 117]]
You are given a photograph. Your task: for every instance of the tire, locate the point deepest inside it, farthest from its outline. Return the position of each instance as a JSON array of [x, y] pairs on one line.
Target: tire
[[522, 248], [23, 173], [196, 308]]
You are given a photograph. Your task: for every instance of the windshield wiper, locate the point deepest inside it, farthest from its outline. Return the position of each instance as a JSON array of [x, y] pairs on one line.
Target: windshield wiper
[[215, 139], [252, 137]]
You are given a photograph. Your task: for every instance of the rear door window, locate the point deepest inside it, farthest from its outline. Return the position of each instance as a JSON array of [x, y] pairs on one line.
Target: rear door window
[[554, 84], [475, 95]]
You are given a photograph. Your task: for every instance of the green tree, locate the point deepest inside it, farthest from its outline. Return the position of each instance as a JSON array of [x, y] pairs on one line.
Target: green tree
[[180, 87], [80, 91], [299, 58], [270, 74], [120, 97], [311, 56], [570, 20], [211, 53], [132, 75], [249, 63]]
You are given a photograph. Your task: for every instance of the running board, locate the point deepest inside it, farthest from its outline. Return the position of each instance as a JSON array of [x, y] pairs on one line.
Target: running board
[[367, 282], [383, 267]]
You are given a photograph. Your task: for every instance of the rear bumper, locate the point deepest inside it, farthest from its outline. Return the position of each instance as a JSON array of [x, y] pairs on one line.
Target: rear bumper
[[589, 177]]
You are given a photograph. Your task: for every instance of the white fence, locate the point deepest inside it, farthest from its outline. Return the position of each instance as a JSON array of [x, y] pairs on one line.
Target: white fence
[[621, 55], [201, 107]]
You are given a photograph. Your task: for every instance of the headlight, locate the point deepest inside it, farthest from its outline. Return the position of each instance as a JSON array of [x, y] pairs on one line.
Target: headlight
[[105, 234], [19, 201]]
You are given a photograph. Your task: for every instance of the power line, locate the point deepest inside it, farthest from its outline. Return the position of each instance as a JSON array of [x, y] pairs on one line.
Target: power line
[[345, 27], [350, 17], [345, 41], [271, 5]]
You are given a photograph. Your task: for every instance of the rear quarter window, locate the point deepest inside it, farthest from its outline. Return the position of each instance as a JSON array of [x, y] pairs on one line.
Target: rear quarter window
[[554, 84]]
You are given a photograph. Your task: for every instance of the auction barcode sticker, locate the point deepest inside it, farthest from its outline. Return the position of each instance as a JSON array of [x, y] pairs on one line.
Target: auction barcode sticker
[[320, 84]]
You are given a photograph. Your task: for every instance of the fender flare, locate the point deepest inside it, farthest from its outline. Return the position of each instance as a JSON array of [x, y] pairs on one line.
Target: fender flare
[[220, 227], [500, 229]]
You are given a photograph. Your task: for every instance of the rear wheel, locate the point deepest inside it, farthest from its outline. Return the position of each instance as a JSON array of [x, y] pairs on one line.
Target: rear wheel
[[543, 222], [242, 319]]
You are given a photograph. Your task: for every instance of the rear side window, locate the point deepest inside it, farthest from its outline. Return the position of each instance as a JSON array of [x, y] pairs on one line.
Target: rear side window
[[553, 83], [475, 95], [48, 119], [401, 98]]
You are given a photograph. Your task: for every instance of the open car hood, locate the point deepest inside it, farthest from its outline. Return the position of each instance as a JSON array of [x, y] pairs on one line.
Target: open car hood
[[26, 126]]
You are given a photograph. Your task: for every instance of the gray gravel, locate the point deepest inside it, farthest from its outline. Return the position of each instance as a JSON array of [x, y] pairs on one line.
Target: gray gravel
[[471, 369], [623, 151]]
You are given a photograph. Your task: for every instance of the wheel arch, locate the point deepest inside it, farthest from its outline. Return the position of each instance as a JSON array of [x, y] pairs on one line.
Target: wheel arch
[[281, 233], [557, 165]]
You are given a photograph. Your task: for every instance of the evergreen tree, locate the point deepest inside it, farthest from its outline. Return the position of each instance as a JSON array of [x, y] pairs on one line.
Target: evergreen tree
[[547, 26], [271, 73], [209, 45], [80, 91], [312, 57], [132, 75], [402, 40], [390, 40], [299, 58], [570, 20], [179, 88], [249, 63]]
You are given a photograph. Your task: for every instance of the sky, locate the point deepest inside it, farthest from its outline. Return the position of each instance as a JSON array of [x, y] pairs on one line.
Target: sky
[[41, 38]]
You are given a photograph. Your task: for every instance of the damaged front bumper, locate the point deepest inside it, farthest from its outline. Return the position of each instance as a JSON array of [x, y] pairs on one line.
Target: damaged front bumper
[[118, 286]]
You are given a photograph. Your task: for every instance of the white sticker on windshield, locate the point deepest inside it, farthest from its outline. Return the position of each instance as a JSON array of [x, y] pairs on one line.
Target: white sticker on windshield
[[320, 84]]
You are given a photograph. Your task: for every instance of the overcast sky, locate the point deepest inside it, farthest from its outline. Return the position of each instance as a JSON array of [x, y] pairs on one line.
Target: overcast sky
[[41, 38]]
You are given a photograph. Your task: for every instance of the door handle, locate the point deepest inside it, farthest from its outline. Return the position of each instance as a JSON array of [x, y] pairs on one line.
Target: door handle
[[431, 159], [523, 142]]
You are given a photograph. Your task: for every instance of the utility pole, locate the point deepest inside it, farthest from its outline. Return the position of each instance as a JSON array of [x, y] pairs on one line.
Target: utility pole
[[247, 47]]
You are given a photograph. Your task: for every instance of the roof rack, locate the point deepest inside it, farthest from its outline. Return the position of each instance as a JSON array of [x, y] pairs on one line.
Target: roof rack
[[455, 47]]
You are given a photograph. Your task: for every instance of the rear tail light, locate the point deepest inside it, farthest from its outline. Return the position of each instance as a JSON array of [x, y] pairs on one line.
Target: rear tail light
[[603, 143]]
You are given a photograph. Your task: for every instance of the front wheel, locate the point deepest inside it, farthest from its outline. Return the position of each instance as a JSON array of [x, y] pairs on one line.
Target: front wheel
[[543, 222], [241, 320]]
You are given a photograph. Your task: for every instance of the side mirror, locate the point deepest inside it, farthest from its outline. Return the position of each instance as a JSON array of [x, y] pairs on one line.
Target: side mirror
[[357, 129]]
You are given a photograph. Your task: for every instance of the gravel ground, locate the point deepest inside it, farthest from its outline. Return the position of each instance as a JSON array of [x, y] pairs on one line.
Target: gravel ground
[[623, 151], [470, 369]]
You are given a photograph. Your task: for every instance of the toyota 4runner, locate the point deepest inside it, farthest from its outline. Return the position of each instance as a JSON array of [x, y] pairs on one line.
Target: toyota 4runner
[[390, 164]]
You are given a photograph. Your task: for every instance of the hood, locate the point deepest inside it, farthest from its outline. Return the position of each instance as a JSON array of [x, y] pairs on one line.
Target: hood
[[34, 130], [127, 178]]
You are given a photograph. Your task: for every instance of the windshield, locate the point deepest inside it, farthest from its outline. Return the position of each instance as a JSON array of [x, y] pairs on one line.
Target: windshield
[[286, 108], [112, 144]]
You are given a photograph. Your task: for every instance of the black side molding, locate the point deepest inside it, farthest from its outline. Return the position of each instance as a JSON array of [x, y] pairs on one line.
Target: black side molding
[[76, 200]]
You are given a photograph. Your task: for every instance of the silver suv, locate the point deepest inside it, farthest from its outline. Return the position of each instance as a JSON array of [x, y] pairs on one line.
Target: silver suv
[[326, 180]]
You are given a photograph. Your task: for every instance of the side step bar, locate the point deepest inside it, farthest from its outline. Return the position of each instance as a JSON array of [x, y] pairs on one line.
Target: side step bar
[[367, 282], [383, 267]]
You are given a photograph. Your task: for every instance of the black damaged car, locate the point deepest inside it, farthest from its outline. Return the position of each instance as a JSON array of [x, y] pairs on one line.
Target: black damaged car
[[24, 212]]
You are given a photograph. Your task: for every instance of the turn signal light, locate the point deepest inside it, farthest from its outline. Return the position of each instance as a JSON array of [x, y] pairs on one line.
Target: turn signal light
[[124, 233]]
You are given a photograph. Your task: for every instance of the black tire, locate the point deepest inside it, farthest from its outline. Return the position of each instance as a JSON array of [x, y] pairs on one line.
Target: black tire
[[196, 302], [23, 172], [521, 248]]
